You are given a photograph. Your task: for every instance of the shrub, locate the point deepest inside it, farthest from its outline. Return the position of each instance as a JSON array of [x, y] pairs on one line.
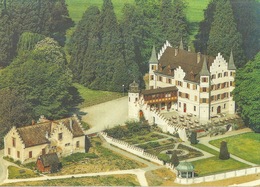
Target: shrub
[[164, 157], [193, 138], [175, 159], [224, 154]]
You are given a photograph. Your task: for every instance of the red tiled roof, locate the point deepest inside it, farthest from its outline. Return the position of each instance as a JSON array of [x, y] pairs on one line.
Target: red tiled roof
[[186, 60]]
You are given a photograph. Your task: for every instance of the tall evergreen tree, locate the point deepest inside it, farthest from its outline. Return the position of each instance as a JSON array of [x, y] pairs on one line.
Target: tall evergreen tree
[[223, 34], [111, 46], [246, 14], [84, 47], [202, 37], [246, 93], [132, 29]]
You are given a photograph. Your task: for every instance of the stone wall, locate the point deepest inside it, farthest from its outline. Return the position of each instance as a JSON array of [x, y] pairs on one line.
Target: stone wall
[[220, 176], [131, 148]]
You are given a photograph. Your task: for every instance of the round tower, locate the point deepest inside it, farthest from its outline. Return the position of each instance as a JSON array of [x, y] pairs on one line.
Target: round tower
[[133, 97]]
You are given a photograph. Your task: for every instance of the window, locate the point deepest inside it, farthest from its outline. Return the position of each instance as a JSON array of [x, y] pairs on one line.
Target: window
[[67, 144], [204, 100], [179, 83], [224, 105], [188, 85], [194, 87], [153, 67], [195, 98], [18, 154], [219, 75], [213, 87], [194, 108], [14, 142], [218, 86], [180, 104], [204, 89], [30, 154], [9, 151], [43, 151], [169, 81], [160, 78], [187, 96], [225, 74], [60, 136], [231, 83], [152, 77], [180, 94], [213, 76], [212, 98], [204, 79], [212, 109], [77, 144], [218, 96], [136, 99]]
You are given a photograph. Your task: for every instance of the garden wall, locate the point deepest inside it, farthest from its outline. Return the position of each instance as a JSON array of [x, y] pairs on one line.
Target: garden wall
[[131, 148], [220, 176]]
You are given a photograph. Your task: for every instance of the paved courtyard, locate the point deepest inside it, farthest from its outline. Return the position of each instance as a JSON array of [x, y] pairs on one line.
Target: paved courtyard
[[106, 115]]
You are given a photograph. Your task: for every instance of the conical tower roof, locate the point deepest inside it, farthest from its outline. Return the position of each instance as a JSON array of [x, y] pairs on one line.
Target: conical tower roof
[[231, 64], [153, 59], [204, 70]]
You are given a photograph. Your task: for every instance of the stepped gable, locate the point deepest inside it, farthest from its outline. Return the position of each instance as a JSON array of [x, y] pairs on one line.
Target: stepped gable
[[73, 126], [35, 134], [188, 61]]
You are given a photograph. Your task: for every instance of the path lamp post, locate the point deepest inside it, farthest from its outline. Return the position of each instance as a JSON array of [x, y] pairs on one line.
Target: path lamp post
[[123, 89]]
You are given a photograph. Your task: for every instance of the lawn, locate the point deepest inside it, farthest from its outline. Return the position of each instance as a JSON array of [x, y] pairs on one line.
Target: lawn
[[93, 97], [216, 165], [20, 173], [115, 180], [245, 146]]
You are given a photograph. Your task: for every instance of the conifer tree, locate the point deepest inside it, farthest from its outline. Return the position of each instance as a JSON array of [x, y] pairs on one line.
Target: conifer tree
[[223, 34], [224, 154], [175, 159]]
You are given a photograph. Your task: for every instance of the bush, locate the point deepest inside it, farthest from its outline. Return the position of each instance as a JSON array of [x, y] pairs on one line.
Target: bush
[[224, 154]]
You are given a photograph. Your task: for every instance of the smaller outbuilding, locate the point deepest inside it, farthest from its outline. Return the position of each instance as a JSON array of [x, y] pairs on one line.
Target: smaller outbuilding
[[48, 163], [185, 170]]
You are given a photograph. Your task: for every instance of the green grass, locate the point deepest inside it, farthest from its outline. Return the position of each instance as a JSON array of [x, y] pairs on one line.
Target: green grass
[[20, 173], [245, 146], [93, 97], [215, 165], [206, 149]]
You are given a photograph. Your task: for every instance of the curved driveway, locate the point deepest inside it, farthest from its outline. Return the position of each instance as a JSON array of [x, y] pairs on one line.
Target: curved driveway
[[106, 115]]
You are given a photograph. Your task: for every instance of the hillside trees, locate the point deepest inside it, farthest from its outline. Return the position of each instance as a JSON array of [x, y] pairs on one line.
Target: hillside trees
[[48, 17], [246, 93], [42, 76], [223, 34]]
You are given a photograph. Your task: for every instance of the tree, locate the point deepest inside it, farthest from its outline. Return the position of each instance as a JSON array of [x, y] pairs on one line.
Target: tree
[[193, 138], [224, 154], [202, 37], [175, 159], [223, 34], [48, 17], [246, 93], [14, 111], [246, 14], [43, 77], [164, 157]]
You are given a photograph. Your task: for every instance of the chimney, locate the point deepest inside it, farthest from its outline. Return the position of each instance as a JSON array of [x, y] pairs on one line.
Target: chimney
[[198, 57], [176, 51], [71, 123], [189, 50]]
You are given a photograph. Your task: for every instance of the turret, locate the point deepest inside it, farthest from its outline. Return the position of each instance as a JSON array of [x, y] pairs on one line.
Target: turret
[[133, 97]]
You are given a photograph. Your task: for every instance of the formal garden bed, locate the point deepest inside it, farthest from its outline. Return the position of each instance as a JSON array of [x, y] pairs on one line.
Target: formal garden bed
[[21, 173], [245, 146]]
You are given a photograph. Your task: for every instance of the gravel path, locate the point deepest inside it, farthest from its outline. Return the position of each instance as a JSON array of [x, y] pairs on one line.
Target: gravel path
[[105, 115]]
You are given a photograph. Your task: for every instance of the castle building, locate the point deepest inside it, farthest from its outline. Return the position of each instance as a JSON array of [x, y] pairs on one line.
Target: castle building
[[185, 82]]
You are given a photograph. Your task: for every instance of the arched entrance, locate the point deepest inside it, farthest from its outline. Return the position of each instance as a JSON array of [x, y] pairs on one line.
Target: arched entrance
[[219, 109], [141, 114]]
